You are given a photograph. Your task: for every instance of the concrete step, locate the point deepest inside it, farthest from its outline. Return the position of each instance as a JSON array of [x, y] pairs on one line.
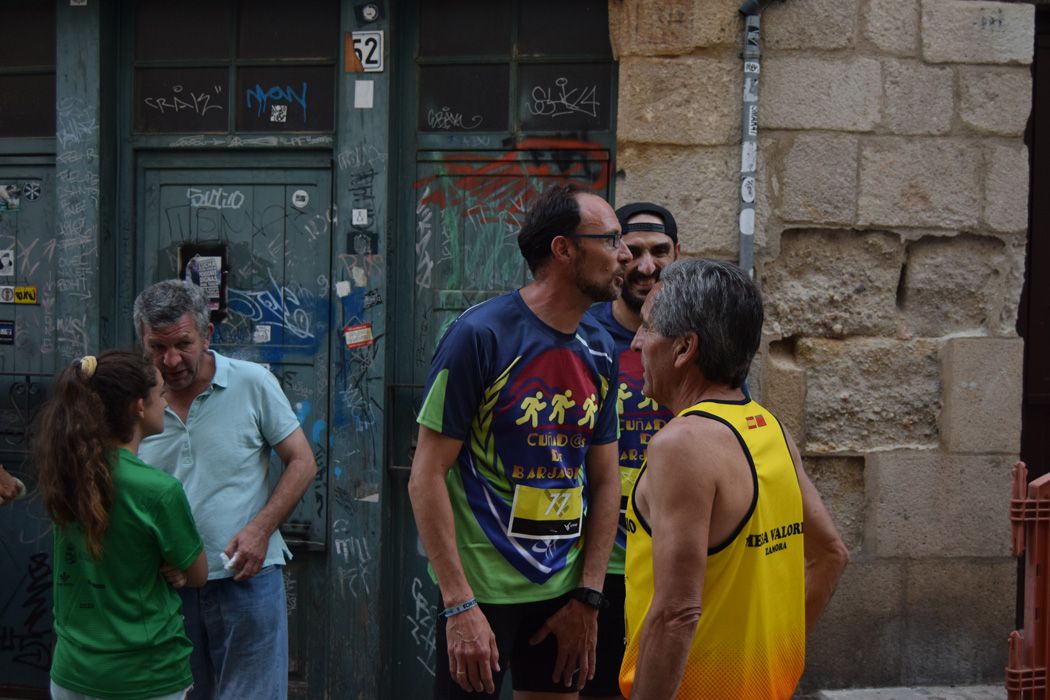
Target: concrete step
[[959, 692]]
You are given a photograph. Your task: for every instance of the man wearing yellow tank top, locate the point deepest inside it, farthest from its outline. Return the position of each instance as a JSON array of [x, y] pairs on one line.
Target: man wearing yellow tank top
[[731, 554]]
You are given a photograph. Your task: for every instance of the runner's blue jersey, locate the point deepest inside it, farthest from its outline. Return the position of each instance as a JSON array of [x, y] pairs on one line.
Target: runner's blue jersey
[[640, 417], [527, 401]]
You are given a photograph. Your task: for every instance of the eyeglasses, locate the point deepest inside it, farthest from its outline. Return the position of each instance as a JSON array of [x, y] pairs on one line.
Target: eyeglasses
[[612, 240]]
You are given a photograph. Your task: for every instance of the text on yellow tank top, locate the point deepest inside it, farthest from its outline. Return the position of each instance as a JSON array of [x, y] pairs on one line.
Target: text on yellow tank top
[[750, 642]]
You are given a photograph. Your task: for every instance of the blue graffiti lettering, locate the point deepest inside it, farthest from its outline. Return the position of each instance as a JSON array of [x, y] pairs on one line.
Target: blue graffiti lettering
[[284, 94], [278, 306]]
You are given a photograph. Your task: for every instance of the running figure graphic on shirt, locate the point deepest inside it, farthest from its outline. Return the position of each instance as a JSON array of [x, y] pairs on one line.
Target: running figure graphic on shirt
[[559, 403], [531, 407]]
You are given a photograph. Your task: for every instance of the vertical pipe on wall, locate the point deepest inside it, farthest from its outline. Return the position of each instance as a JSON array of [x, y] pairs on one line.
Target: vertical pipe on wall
[[751, 55]]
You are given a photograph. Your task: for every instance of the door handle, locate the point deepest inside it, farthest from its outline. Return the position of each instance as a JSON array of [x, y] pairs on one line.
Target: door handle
[[402, 402], [411, 455]]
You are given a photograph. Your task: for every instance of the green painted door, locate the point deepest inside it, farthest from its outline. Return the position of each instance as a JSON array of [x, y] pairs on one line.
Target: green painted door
[[28, 336], [466, 216], [502, 103], [262, 236]]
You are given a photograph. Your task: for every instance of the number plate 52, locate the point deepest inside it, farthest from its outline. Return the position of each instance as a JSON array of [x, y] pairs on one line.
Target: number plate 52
[[369, 49]]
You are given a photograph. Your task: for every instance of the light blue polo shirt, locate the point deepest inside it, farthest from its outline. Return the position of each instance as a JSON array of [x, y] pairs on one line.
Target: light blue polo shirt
[[221, 454]]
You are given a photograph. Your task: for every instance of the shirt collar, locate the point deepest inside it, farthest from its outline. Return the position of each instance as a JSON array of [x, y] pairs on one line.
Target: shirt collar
[[222, 370]]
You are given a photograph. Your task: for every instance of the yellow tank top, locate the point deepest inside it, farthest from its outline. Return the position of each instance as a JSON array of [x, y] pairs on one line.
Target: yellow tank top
[[750, 642]]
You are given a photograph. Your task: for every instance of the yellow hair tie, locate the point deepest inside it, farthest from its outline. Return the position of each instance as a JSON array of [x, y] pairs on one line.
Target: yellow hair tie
[[88, 363]]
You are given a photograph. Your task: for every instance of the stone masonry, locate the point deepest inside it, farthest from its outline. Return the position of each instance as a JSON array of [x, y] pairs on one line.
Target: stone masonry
[[890, 242]]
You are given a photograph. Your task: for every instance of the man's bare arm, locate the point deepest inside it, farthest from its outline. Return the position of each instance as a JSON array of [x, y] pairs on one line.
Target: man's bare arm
[[471, 643], [603, 512], [250, 544], [194, 576], [678, 498], [575, 625], [826, 555]]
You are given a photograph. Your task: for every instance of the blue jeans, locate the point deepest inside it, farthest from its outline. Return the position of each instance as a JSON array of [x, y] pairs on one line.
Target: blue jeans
[[60, 693], [239, 632]]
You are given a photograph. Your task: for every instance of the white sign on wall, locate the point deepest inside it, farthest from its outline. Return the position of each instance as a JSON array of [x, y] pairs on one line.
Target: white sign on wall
[[369, 49]]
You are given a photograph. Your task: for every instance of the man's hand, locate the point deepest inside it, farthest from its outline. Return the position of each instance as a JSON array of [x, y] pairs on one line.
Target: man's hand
[[175, 577], [10, 487], [575, 627], [472, 651], [249, 546]]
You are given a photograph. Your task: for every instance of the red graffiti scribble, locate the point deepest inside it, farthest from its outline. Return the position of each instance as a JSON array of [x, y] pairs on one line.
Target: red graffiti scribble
[[504, 186]]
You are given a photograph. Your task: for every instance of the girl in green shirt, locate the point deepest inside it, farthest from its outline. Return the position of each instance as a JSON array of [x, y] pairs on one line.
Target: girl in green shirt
[[122, 530]]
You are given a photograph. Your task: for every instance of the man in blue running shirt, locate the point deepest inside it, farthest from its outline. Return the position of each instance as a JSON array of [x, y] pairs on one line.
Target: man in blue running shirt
[[514, 481]]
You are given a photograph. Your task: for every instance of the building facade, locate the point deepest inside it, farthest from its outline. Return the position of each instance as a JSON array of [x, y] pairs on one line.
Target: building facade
[[346, 177], [892, 225]]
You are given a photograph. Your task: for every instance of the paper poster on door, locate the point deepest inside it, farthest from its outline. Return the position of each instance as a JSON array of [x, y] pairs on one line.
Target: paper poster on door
[[25, 295], [358, 335], [7, 262], [205, 272], [363, 94], [10, 197], [207, 266]]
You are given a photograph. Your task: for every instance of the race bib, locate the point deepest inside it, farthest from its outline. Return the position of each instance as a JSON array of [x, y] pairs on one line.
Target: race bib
[[546, 513]]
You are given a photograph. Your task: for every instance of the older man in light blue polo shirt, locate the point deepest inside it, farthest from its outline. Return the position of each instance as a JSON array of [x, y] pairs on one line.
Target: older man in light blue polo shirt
[[223, 418]]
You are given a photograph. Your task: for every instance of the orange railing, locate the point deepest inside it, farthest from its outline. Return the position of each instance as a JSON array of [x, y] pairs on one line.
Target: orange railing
[[1030, 525]]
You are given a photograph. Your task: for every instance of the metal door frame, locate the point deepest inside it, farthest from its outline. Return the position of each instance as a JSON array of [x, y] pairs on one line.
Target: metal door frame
[[415, 148]]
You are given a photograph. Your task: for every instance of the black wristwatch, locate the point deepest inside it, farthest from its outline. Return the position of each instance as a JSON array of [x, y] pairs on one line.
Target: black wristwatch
[[591, 597]]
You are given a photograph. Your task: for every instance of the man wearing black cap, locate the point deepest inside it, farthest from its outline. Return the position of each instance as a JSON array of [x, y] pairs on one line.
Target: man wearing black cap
[[651, 235]]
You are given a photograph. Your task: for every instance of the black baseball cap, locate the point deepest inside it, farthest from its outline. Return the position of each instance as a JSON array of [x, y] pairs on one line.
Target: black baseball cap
[[669, 226]]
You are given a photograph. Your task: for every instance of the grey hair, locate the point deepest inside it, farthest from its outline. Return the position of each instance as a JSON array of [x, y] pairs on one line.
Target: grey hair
[[165, 302], [719, 303]]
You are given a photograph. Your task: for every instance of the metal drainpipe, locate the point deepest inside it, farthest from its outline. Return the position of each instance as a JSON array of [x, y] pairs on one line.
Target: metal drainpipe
[[751, 9]]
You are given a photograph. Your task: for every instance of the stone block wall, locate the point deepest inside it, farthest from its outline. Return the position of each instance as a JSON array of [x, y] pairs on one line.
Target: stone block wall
[[890, 231]]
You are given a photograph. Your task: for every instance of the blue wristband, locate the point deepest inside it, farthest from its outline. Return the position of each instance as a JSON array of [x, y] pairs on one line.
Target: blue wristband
[[462, 607]]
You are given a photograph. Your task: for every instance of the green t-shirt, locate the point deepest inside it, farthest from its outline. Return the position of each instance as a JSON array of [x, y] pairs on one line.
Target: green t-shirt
[[118, 622]]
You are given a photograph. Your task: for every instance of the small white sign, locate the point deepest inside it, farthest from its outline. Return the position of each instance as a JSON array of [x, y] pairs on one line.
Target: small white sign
[[363, 91], [751, 89], [747, 222], [7, 295], [342, 288], [262, 334], [369, 49], [7, 262], [752, 120], [748, 156], [359, 217], [358, 335], [300, 198], [747, 189]]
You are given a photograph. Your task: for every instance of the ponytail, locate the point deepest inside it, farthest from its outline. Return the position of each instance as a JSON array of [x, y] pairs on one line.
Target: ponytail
[[86, 414]]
